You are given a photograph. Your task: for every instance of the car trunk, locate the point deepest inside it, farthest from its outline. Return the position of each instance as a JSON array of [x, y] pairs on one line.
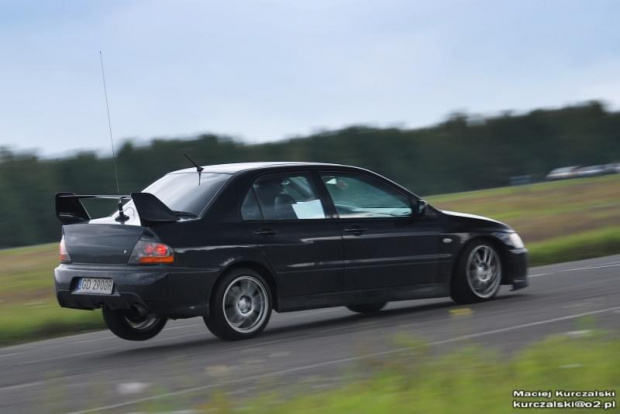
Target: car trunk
[[101, 243]]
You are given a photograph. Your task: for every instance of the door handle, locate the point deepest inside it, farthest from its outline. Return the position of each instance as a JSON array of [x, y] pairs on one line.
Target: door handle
[[265, 231], [356, 230]]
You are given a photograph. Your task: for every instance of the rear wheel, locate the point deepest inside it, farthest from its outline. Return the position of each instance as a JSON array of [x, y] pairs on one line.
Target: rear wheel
[[241, 306], [133, 325], [478, 274], [367, 307]]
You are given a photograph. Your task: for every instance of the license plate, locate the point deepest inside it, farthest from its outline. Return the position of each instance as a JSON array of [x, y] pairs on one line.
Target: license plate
[[96, 286]]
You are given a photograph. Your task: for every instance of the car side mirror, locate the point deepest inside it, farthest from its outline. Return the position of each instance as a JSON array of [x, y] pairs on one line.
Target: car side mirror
[[418, 207]]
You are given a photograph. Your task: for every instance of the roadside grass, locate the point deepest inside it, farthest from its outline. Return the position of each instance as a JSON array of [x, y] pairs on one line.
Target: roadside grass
[[473, 379], [28, 307], [586, 245], [559, 221]]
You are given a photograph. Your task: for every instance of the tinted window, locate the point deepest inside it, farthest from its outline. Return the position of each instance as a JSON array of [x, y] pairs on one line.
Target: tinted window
[[359, 196], [181, 192], [249, 208], [287, 197]]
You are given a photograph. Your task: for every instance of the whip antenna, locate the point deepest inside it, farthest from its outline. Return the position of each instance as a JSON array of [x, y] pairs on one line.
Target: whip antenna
[[122, 217], [107, 105]]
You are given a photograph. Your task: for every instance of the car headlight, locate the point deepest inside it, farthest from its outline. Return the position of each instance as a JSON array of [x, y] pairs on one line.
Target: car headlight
[[515, 241]]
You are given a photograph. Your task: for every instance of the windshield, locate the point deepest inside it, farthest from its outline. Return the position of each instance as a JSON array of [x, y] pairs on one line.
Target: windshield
[[181, 192]]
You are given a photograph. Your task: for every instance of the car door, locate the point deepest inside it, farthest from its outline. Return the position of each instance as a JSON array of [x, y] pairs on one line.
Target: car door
[[289, 222], [384, 245]]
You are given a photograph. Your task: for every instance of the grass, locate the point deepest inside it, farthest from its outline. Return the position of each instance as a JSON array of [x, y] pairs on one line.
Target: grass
[[28, 307], [586, 245], [472, 380], [559, 221]]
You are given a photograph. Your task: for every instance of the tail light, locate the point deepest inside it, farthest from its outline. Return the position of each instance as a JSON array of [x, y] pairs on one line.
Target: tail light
[[149, 252], [64, 254]]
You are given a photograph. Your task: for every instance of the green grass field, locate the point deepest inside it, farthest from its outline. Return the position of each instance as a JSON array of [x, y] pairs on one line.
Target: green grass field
[[559, 221], [471, 380]]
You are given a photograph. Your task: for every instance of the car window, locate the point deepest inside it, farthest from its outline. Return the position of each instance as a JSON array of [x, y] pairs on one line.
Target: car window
[[249, 208], [286, 197], [357, 196], [183, 192]]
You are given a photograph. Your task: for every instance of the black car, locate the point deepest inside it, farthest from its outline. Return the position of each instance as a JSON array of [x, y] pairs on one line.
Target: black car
[[233, 242]]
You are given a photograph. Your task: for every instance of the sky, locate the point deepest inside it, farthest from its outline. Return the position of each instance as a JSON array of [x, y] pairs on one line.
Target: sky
[[261, 70]]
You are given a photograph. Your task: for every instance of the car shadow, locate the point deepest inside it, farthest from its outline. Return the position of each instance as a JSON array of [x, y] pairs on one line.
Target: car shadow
[[299, 330]]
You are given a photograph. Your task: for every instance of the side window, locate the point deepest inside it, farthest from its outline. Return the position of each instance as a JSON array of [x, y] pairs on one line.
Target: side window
[[249, 208], [288, 197], [357, 196]]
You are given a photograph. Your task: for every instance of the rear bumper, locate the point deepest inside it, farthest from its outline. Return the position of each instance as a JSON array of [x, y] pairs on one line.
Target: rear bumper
[[515, 269], [166, 291]]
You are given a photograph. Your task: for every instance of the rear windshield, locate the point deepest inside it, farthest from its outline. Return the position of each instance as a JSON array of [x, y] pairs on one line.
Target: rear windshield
[[181, 192]]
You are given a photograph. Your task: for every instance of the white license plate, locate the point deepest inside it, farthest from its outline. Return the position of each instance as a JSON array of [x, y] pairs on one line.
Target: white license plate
[[96, 286]]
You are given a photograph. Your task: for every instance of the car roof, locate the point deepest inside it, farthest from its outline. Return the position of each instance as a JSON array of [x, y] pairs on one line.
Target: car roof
[[244, 166]]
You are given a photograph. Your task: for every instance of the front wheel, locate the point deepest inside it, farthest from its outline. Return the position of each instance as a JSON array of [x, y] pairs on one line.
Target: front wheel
[[478, 274], [132, 325], [240, 307], [367, 307]]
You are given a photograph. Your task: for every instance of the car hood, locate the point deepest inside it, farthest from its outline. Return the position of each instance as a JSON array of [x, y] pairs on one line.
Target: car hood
[[474, 222]]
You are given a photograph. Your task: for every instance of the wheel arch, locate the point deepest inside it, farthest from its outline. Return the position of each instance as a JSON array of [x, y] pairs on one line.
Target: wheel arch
[[258, 267], [493, 241]]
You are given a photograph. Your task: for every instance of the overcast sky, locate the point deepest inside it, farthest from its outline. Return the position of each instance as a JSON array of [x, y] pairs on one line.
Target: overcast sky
[[268, 70]]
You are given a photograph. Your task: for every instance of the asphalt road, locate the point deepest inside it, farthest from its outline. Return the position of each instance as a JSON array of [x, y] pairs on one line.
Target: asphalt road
[[97, 372]]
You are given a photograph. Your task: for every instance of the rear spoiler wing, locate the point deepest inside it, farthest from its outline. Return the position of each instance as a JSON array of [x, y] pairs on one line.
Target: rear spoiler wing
[[150, 209]]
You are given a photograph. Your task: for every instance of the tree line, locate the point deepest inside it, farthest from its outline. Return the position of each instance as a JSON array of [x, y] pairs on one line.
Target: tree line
[[462, 153]]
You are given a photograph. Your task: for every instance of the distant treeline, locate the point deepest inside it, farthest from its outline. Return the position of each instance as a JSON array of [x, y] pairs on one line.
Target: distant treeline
[[462, 153]]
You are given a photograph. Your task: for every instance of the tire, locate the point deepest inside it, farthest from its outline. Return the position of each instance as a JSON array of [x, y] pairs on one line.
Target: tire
[[478, 274], [130, 325], [240, 306], [367, 307]]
